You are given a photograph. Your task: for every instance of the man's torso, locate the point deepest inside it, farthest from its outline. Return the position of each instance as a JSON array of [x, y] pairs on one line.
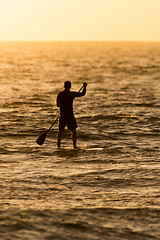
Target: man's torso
[[65, 102]]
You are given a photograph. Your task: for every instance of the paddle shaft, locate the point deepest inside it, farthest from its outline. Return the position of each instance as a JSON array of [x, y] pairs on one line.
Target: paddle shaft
[[52, 124]]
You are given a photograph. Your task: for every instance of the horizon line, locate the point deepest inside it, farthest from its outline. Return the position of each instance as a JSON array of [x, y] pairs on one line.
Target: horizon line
[[143, 41]]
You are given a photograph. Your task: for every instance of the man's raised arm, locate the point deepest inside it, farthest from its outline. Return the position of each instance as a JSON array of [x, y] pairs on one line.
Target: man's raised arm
[[80, 94]]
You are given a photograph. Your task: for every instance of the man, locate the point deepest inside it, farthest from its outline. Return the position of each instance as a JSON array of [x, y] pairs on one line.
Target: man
[[65, 103]]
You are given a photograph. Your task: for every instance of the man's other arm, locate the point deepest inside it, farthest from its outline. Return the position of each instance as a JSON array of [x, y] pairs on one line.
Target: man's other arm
[[58, 101]]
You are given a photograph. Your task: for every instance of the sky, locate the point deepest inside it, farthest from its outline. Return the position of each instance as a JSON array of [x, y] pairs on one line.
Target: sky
[[79, 20]]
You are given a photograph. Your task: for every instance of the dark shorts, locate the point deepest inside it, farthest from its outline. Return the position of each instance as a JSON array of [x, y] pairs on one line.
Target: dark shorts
[[69, 121]]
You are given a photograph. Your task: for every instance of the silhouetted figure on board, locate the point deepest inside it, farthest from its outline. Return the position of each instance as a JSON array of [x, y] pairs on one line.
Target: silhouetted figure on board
[[65, 103]]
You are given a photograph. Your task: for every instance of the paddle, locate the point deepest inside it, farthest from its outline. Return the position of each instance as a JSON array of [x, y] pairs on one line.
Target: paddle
[[40, 140]]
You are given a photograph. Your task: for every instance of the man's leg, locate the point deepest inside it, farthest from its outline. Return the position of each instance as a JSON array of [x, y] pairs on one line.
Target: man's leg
[[59, 137], [74, 137]]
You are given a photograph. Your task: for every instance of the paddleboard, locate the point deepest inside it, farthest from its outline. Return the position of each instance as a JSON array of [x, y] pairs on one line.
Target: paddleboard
[[81, 148], [93, 149]]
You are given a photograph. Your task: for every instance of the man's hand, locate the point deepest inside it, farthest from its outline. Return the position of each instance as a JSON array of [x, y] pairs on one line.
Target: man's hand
[[84, 84]]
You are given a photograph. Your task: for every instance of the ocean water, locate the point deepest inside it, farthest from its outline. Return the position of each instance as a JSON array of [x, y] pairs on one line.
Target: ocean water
[[109, 189]]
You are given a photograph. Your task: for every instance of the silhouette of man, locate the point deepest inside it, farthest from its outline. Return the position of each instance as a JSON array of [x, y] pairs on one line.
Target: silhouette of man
[[65, 103]]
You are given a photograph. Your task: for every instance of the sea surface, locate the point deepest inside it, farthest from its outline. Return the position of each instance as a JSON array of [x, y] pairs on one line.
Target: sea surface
[[109, 189]]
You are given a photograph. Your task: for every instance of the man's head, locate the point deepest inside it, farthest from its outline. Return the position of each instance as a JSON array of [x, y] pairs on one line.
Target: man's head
[[67, 85]]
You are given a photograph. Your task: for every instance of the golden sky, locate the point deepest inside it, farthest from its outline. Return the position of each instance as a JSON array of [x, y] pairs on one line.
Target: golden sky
[[79, 20]]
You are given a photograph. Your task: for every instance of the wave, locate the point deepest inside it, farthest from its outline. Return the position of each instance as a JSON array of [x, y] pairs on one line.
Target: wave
[[145, 105], [106, 117], [82, 223]]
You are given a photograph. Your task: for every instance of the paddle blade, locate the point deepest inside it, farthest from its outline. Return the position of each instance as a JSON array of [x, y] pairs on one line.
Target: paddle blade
[[40, 140]]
